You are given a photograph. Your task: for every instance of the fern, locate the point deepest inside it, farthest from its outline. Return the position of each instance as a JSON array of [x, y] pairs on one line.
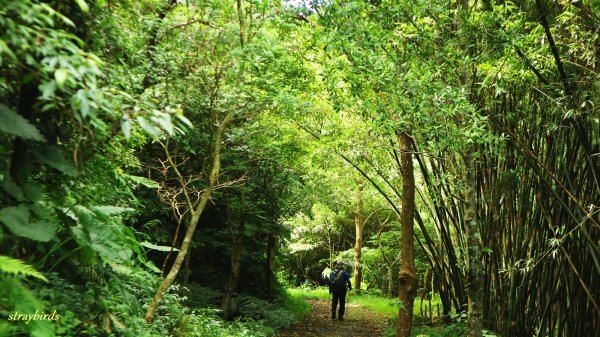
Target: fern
[[14, 266]]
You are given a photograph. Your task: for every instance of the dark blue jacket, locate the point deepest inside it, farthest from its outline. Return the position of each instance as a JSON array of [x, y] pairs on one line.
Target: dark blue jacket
[[345, 276]]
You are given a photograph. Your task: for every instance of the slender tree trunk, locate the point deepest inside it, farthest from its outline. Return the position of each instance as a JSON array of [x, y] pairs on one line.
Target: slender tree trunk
[[330, 244], [407, 277], [473, 255], [195, 217], [390, 265], [271, 250], [240, 12], [27, 98], [390, 285], [234, 275], [186, 269], [474, 268], [358, 222], [236, 262]]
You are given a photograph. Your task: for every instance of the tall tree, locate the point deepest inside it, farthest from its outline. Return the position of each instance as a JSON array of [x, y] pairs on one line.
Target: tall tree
[[407, 279], [196, 207], [359, 229], [235, 259], [474, 268]]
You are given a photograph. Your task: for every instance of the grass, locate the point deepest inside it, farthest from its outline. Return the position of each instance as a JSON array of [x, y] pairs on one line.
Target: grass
[[389, 306], [377, 303], [295, 304], [309, 293]]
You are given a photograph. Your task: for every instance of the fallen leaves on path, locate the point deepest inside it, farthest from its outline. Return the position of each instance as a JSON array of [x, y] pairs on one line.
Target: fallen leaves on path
[[358, 322]]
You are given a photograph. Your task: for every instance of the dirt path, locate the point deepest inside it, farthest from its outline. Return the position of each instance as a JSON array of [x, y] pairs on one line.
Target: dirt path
[[358, 322]]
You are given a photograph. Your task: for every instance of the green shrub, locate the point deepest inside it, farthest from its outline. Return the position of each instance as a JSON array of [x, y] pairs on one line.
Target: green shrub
[[458, 329], [426, 331], [417, 330], [455, 330], [116, 309], [201, 297], [281, 313]]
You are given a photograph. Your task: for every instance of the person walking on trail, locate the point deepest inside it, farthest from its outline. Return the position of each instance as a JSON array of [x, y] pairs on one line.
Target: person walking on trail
[[339, 283]]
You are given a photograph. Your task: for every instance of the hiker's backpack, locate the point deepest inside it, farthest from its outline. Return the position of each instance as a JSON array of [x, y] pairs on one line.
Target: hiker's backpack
[[337, 280]]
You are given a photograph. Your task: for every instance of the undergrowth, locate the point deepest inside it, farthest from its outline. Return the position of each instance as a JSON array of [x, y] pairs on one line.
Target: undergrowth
[[458, 329], [115, 307]]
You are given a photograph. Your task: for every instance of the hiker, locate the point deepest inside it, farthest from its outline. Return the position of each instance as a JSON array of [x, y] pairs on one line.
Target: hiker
[[339, 282]]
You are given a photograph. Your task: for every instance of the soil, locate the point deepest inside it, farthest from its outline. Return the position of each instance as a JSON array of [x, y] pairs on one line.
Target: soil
[[358, 322]]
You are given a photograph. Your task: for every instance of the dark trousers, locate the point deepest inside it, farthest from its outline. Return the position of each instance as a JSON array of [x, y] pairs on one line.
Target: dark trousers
[[341, 297]]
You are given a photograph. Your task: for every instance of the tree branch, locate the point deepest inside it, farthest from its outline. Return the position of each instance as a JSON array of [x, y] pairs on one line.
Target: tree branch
[[530, 66], [191, 22], [559, 64]]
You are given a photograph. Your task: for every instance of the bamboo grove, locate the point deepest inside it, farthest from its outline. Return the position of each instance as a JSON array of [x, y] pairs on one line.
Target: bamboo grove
[[530, 70], [537, 195]]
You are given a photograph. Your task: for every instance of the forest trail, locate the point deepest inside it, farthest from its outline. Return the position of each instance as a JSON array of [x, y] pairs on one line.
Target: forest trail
[[358, 322]]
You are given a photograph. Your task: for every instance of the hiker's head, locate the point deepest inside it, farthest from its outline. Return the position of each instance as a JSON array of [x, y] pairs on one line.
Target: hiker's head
[[339, 264]]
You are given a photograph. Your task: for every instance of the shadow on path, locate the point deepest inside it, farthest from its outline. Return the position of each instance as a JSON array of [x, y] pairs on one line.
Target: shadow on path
[[358, 322]]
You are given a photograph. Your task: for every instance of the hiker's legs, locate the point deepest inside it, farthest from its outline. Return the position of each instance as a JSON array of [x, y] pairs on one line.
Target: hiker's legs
[[334, 303], [342, 305]]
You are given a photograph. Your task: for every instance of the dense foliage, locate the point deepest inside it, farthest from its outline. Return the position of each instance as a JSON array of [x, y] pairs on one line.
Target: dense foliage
[[167, 167]]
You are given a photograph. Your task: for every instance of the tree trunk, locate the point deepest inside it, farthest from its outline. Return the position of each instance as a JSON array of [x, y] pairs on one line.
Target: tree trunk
[[390, 265], [231, 286], [406, 279], [474, 275], [330, 244], [271, 250], [358, 222], [390, 285], [195, 217], [27, 98], [236, 261], [240, 12], [186, 269]]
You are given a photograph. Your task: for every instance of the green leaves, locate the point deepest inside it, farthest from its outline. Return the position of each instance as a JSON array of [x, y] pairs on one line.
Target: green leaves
[[184, 120], [15, 266], [83, 5], [155, 247], [4, 49], [164, 121], [51, 156], [61, 76], [17, 298], [143, 181], [126, 127], [55, 60], [14, 124], [111, 210], [100, 233], [19, 220], [160, 123], [148, 127]]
